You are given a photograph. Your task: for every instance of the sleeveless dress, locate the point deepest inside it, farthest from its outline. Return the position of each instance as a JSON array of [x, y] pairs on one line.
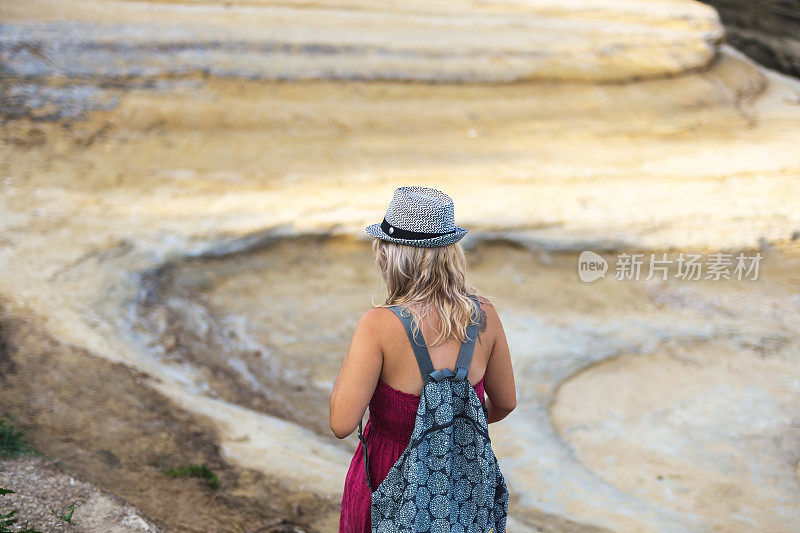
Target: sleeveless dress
[[387, 432]]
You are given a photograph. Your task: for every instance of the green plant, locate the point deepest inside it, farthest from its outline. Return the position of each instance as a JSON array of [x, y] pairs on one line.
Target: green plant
[[67, 517], [195, 471], [8, 520], [12, 441], [13, 444]]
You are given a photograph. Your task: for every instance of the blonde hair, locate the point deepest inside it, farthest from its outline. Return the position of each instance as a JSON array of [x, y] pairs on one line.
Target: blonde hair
[[431, 278]]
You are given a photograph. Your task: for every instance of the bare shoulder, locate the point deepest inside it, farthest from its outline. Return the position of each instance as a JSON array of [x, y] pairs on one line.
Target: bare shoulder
[[488, 318], [376, 318], [484, 301], [371, 326]]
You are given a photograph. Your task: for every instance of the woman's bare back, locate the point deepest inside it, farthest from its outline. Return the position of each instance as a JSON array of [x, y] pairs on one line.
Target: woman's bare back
[[400, 370]]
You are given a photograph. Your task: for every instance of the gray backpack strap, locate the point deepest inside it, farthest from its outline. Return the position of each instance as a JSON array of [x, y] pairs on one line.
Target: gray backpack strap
[[366, 455], [417, 343], [467, 347]]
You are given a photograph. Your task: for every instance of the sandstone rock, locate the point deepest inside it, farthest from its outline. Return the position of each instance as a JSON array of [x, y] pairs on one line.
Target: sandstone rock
[[587, 40], [110, 184]]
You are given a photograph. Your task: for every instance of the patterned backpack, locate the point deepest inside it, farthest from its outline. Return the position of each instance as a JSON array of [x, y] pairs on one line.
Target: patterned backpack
[[447, 479]]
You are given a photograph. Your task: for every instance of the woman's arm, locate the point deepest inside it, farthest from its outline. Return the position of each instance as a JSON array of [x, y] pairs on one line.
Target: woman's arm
[[358, 375], [501, 393], [495, 414]]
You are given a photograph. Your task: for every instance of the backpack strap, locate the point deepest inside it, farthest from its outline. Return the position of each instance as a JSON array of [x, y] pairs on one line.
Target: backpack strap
[[417, 342], [366, 456], [467, 347]]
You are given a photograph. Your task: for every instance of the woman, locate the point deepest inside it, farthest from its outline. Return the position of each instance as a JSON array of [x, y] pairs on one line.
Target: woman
[[423, 267]]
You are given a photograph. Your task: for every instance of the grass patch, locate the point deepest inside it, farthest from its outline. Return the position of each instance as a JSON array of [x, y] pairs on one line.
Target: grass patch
[[12, 440], [201, 471]]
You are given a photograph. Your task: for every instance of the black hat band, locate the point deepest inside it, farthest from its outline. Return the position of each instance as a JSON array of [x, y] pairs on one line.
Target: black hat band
[[399, 233]]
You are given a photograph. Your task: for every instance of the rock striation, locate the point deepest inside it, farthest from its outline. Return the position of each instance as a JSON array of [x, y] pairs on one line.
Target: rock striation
[[454, 41]]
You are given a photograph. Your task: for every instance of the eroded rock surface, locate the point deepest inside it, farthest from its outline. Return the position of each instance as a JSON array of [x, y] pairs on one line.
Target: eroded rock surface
[[588, 40], [167, 207]]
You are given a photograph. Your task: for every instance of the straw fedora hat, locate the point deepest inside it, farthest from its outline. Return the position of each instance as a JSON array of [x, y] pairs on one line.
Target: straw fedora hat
[[419, 216]]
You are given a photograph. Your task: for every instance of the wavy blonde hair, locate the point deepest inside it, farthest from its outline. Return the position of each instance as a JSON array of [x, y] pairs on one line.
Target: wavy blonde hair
[[433, 279]]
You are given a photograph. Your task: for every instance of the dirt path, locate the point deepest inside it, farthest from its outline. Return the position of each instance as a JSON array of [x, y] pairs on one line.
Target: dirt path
[[107, 426]]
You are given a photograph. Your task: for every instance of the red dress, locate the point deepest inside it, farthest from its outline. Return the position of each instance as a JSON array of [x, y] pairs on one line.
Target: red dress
[[387, 432]]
